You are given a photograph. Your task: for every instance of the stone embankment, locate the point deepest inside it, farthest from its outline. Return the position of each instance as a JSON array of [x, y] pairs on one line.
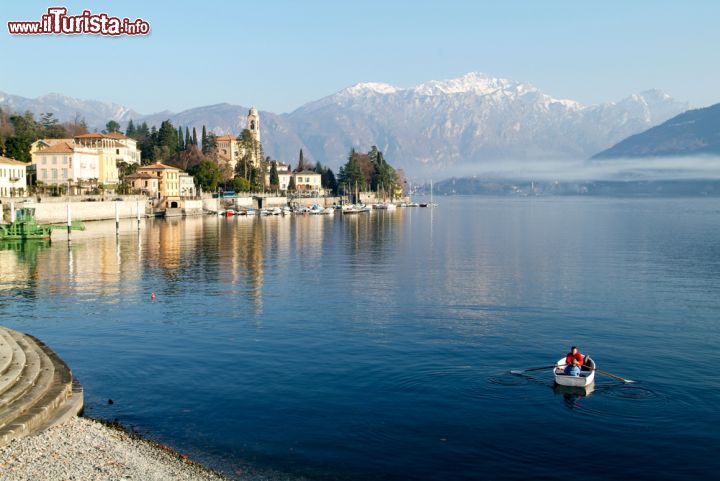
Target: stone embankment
[[37, 389]]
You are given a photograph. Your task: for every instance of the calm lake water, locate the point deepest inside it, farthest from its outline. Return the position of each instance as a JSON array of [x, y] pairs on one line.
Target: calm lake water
[[378, 346]]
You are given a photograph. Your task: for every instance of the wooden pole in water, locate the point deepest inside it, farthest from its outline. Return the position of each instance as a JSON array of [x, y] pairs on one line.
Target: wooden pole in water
[[137, 204], [117, 218], [69, 220]]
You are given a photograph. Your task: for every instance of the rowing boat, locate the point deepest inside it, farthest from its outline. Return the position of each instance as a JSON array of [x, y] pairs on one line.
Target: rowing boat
[[586, 377]]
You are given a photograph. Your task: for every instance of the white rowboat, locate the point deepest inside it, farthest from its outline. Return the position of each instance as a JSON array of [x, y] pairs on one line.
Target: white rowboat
[[586, 377]]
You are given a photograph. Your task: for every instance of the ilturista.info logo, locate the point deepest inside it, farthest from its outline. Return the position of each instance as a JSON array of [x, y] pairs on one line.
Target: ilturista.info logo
[[57, 22]]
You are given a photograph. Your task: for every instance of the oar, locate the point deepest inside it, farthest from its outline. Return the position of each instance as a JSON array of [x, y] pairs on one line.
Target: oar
[[531, 369], [626, 381]]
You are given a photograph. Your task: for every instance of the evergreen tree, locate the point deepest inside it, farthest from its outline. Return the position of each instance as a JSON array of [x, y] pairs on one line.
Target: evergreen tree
[[194, 137], [130, 130], [167, 137], [328, 181], [351, 175], [291, 184], [274, 178], [301, 162], [180, 143], [51, 127], [26, 131], [188, 139], [204, 140]]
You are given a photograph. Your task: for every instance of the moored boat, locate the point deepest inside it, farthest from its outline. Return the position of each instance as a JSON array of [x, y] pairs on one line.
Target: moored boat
[[586, 377]]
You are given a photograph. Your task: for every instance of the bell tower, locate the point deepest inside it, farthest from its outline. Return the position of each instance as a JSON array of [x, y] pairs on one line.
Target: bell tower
[[253, 123]]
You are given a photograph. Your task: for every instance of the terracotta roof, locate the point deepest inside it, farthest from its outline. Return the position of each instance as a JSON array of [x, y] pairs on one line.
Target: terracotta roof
[[158, 166], [140, 175], [59, 148], [116, 135], [54, 141], [8, 161], [93, 135], [307, 172], [226, 137]]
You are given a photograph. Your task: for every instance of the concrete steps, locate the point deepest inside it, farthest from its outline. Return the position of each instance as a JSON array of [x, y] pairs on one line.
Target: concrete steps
[[37, 389]]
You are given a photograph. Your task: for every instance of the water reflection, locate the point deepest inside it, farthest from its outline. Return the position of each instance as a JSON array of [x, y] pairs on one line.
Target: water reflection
[[573, 396]]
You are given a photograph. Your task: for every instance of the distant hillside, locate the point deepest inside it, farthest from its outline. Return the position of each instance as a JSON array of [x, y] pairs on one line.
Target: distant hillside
[[693, 132]]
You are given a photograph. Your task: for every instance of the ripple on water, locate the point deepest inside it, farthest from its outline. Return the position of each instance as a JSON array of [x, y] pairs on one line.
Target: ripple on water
[[632, 392], [508, 380]]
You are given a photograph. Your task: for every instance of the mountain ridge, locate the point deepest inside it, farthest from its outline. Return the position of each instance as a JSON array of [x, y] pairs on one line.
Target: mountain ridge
[[694, 132], [438, 124]]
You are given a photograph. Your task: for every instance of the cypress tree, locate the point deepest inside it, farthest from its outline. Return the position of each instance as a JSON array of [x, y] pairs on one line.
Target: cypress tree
[[301, 162], [181, 144], [130, 131], [188, 140], [274, 178], [194, 137], [204, 140]]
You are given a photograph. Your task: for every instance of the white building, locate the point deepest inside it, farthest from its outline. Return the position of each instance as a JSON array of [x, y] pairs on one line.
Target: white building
[[187, 185], [308, 181], [114, 145], [13, 178], [284, 176]]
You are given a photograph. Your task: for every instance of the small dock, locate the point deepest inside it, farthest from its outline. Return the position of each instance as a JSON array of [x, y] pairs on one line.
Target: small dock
[[37, 389]]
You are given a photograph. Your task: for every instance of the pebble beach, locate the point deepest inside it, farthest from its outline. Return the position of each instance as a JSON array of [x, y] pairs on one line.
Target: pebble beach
[[83, 449]]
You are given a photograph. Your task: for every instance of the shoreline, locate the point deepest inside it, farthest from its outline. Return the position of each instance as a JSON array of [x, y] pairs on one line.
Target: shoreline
[[91, 449]]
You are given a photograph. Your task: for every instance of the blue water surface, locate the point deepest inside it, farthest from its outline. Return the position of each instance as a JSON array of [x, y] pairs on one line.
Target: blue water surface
[[378, 346]]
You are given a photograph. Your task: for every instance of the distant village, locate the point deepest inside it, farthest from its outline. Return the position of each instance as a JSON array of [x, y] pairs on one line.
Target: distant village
[[111, 162]]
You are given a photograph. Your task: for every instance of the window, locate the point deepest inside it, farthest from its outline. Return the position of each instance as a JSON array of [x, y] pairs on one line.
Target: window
[[64, 173], [44, 159], [54, 174], [117, 151], [54, 159]]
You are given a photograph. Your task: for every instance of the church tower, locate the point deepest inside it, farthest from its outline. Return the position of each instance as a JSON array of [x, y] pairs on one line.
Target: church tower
[[253, 123]]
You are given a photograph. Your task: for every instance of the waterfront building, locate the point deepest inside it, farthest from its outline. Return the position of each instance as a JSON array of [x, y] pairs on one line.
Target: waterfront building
[[308, 181], [231, 151], [144, 184], [13, 178], [72, 164], [228, 150], [115, 146], [187, 185], [284, 175], [168, 178]]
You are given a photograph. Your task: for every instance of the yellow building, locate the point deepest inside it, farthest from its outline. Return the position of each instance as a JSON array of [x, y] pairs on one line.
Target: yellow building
[[168, 178], [60, 162], [228, 149], [13, 175]]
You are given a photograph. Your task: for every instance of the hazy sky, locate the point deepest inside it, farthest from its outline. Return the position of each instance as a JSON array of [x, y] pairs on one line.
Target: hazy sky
[[280, 54]]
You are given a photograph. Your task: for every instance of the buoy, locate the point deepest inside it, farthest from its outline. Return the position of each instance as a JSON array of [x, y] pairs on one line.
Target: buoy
[[110, 401], [152, 296]]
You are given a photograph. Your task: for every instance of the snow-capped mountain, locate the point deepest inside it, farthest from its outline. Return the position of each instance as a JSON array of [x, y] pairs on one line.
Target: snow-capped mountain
[[440, 123], [65, 108], [470, 119]]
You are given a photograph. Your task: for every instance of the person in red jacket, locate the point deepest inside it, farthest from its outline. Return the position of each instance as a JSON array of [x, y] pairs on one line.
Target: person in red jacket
[[574, 361]]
